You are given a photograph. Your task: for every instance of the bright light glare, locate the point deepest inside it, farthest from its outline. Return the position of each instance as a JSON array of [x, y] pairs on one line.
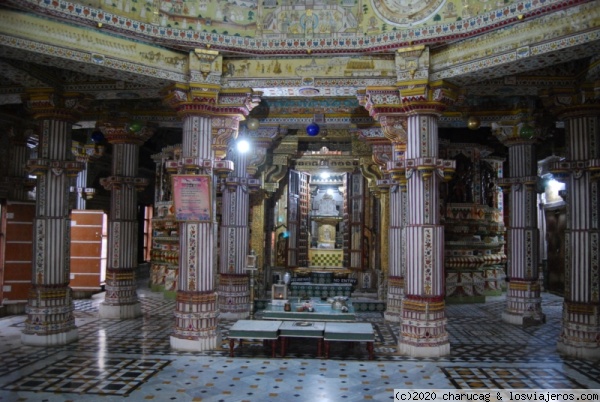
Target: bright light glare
[[243, 146], [324, 175], [555, 186], [330, 191]]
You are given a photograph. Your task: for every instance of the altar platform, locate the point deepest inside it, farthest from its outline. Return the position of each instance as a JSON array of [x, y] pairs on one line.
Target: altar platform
[[322, 311], [309, 289]]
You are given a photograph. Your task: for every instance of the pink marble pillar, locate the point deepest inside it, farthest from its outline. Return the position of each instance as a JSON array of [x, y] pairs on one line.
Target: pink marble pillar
[[121, 300]]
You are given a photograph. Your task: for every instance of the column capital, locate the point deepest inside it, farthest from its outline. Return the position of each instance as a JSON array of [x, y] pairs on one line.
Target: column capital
[[117, 182], [210, 100], [40, 167], [562, 170], [245, 183], [48, 103], [568, 103], [406, 98], [518, 131], [397, 170], [86, 152], [428, 97], [123, 131], [427, 166]]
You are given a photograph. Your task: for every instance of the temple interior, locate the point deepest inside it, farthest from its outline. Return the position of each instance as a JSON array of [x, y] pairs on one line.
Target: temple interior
[[298, 199]]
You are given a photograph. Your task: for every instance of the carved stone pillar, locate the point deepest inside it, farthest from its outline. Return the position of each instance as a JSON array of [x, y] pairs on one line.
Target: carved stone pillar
[[523, 301], [395, 129], [388, 148], [121, 300], [233, 283], [580, 333], [210, 121], [423, 330], [409, 114], [50, 319]]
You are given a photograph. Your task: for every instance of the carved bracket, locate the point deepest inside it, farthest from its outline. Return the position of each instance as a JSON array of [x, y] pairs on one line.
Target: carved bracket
[[117, 182], [40, 167]]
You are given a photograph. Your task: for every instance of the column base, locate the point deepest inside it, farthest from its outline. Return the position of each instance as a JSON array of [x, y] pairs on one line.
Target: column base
[[122, 312], [424, 351], [196, 345], [520, 319], [62, 338], [580, 352], [228, 315], [395, 296]]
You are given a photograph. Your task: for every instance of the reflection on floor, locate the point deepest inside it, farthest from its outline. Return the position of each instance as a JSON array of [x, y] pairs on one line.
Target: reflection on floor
[[115, 359]]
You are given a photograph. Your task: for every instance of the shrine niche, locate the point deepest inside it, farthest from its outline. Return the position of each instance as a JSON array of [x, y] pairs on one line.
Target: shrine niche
[[326, 226], [475, 258]]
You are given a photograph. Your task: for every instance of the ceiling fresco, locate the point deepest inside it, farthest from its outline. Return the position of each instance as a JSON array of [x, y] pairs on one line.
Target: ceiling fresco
[[298, 18], [298, 26], [307, 58]]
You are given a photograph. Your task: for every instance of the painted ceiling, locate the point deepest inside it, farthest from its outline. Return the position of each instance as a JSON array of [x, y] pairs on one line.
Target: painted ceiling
[[306, 57]]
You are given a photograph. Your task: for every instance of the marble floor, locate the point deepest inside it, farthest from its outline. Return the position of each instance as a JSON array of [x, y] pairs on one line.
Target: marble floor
[[132, 359]]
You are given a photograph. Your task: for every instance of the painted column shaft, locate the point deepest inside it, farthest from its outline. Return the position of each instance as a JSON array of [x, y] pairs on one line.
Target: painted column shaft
[[49, 311], [581, 310], [523, 301], [121, 300], [397, 250], [234, 293], [423, 326], [196, 308]]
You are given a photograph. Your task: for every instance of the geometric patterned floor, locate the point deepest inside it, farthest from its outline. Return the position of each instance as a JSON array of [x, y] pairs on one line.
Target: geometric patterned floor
[[114, 359]]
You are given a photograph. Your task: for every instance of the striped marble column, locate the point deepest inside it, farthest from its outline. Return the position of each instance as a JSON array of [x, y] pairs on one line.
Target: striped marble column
[[580, 333], [234, 295], [523, 300], [50, 319], [397, 233], [210, 122], [389, 149], [196, 308], [121, 299], [423, 324]]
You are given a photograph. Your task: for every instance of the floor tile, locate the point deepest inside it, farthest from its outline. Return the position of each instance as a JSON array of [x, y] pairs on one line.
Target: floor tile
[[132, 358]]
